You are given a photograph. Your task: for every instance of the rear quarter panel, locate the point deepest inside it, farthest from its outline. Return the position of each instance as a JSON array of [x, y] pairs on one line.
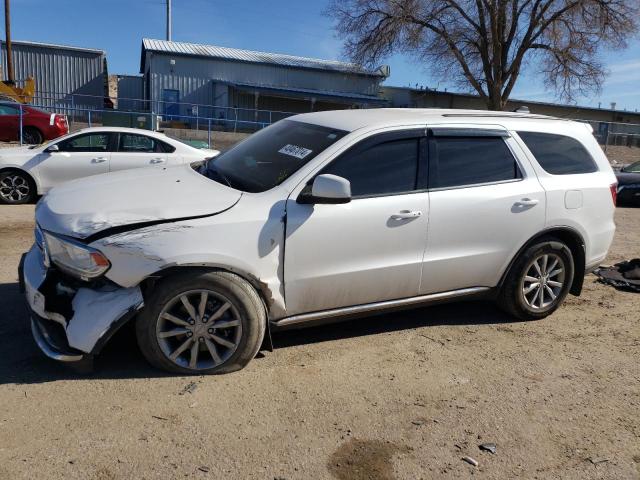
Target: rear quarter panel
[[580, 201]]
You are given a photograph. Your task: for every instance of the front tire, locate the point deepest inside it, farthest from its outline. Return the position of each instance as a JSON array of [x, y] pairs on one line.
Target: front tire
[[538, 281], [16, 187], [201, 323]]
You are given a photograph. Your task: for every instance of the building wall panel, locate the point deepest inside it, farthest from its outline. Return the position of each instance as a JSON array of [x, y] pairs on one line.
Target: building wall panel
[[59, 72]]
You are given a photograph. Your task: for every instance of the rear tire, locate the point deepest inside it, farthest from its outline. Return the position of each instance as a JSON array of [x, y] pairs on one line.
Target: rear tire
[[538, 281], [32, 136], [16, 187], [201, 322]]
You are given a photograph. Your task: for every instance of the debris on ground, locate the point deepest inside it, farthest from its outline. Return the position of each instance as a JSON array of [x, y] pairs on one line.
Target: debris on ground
[[597, 461], [159, 418], [488, 447], [204, 469], [471, 461], [623, 276], [189, 388]]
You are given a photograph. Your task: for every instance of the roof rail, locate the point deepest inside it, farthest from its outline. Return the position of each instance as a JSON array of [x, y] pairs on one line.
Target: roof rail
[[503, 115]]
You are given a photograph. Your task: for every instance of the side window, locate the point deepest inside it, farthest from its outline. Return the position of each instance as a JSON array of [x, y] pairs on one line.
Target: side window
[[91, 142], [165, 147], [138, 144], [383, 169], [558, 154], [459, 161], [7, 110]]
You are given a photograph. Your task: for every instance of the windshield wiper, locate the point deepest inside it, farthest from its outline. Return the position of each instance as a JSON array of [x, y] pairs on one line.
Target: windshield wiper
[[210, 171]]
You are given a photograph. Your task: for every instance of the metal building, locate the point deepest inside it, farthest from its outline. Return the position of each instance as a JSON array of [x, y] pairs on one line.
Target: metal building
[[252, 86], [60, 71]]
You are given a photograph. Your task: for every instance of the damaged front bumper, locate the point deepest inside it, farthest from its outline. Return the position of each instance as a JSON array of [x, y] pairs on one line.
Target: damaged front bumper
[[71, 321]]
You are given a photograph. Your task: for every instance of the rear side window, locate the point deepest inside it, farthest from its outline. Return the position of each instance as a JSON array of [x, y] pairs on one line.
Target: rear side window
[[142, 144], [463, 161], [559, 154], [7, 110], [383, 169]]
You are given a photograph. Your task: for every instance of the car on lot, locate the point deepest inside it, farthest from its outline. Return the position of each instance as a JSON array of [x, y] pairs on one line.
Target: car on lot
[[321, 216], [26, 172], [629, 185], [37, 125]]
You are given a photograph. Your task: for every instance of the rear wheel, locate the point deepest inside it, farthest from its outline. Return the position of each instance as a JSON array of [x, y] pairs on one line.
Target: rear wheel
[[538, 281], [16, 187], [200, 323], [32, 136]]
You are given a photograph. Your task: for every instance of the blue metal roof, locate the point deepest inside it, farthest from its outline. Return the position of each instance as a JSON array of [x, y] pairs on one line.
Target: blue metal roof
[[199, 50]]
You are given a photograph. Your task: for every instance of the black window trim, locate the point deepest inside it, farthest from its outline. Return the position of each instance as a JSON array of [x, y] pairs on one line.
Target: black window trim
[[419, 133], [474, 133]]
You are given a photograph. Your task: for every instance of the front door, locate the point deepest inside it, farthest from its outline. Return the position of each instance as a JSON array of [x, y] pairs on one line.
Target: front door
[[370, 249], [79, 156], [485, 204]]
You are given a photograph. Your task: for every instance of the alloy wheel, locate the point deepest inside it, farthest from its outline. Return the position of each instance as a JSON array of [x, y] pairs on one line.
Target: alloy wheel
[[14, 188], [543, 281], [199, 329]]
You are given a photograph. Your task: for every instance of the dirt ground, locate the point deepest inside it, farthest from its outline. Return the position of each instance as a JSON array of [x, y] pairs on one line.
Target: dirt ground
[[400, 396]]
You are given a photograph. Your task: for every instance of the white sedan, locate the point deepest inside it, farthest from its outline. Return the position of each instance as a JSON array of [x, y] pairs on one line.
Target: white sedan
[[29, 171]]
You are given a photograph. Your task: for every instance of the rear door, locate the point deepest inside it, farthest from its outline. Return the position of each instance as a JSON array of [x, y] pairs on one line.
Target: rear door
[[9, 123], [485, 203], [137, 151], [369, 249], [79, 156]]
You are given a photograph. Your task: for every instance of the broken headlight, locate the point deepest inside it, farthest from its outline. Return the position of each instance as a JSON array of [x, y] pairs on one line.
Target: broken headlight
[[75, 258]]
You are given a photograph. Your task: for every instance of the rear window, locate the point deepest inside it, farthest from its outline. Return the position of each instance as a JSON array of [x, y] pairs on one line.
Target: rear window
[[465, 161], [559, 154]]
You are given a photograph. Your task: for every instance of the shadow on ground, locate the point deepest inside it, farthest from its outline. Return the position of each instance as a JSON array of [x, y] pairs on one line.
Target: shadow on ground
[[23, 363]]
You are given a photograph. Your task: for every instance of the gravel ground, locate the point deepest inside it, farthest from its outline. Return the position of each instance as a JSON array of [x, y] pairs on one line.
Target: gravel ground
[[400, 396]]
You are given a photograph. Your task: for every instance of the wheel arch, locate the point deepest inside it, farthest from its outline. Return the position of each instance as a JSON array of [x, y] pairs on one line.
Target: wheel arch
[[261, 288], [574, 241], [17, 168]]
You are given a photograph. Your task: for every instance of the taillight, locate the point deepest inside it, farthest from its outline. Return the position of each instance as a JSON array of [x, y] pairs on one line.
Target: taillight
[[61, 121], [614, 192]]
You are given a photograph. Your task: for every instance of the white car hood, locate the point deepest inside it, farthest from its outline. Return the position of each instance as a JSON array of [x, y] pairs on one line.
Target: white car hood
[[84, 207]]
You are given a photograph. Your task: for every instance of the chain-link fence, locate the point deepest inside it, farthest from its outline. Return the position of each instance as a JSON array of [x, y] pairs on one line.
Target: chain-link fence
[[201, 120]]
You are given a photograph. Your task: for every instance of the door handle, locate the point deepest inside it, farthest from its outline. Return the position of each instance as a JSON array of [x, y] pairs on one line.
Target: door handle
[[156, 160], [98, 160], [406, 214], [527, 202]]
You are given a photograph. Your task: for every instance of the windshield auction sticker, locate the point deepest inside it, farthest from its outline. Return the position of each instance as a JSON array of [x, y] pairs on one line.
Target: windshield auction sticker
[[295, 151]]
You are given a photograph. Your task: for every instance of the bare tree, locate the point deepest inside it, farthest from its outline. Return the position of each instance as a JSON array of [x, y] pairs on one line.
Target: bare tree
[[483, 45]]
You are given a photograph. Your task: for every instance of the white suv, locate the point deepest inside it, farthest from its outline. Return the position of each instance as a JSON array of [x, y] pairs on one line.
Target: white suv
[[320, 216]]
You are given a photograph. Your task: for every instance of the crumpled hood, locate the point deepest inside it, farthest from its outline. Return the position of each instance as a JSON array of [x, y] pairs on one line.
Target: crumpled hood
[[83, 207]]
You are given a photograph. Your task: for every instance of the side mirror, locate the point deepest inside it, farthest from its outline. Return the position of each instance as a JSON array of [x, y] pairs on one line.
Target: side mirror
[[327, 189], [53, 148]]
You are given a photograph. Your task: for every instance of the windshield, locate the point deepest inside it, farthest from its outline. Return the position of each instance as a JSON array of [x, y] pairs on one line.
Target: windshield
[[270, 156]]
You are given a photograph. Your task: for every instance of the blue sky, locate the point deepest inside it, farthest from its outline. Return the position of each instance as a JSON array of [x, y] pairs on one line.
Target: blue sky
[[295, 27]]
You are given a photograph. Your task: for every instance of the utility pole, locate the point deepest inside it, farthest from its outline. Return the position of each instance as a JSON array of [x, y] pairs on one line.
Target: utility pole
[[168, 19], [7, 29]]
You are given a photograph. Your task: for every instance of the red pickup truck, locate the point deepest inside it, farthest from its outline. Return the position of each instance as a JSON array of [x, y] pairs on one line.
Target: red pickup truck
[[37, 125]]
